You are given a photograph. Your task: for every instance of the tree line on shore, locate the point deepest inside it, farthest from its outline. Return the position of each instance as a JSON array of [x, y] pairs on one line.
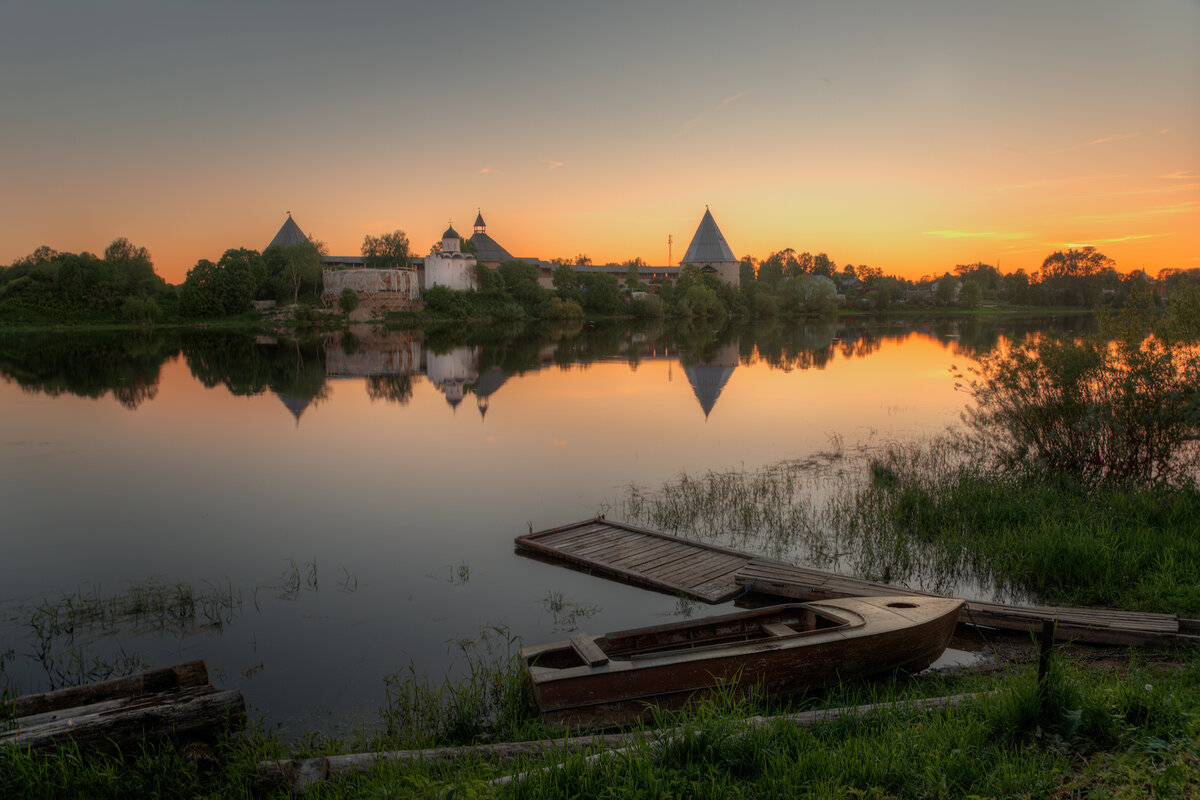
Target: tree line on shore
[[121, 285]]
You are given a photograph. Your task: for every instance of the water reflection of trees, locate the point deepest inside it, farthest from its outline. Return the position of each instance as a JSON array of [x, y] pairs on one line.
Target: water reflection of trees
[[294, 369], [125, 364]]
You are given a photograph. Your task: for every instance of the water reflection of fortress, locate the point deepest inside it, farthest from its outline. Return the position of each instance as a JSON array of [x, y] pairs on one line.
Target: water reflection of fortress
[[396, 359]]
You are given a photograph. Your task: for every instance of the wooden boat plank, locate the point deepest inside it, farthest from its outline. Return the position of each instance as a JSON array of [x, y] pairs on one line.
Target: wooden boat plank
[[622, 689], [586, 648], [778, 630]]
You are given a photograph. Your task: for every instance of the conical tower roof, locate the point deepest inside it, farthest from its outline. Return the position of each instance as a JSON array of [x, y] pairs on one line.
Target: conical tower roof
[[707, 382], [479, 223], [289, 234], [708, 245]]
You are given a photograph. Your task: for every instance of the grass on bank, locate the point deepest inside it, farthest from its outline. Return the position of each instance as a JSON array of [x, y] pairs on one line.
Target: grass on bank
[[930, 517], [1102, 732]]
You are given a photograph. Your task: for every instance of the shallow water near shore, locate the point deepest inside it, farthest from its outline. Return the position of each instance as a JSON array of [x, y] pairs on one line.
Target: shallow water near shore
[[310, 515]]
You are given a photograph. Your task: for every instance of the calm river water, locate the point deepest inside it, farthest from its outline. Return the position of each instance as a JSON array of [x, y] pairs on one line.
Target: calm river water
[[310, 516]]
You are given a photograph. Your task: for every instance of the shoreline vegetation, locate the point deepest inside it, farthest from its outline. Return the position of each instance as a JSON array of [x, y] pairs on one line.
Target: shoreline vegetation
[[49, 289], [1073, 481]]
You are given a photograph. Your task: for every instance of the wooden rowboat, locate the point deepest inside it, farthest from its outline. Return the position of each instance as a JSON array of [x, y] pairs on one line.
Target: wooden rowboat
[[601, 681]]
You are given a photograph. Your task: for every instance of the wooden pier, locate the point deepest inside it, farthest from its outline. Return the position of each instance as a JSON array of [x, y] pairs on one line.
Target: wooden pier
[[716, 574], [646, 558]]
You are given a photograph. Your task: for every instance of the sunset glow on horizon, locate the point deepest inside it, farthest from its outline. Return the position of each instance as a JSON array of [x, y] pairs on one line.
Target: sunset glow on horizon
[[910, 137]]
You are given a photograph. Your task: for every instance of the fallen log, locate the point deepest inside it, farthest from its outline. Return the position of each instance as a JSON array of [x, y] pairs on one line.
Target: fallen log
[[120, 713], [117, 725], [301, 775], [803, 719], [193, 673]]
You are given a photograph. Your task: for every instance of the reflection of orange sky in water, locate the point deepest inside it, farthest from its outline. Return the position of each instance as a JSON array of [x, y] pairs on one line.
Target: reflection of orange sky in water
[[606, 422]]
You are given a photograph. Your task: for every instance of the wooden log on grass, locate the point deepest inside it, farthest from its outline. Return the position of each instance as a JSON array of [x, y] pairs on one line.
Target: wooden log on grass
[[301, 775], [803, 719], [190, 713], [193, 673]]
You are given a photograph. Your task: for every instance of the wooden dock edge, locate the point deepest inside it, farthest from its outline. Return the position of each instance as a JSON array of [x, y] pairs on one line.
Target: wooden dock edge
[[530, 546]]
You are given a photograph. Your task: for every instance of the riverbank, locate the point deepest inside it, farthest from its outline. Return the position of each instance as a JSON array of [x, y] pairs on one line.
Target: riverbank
[[1121, 726], [315, 319]]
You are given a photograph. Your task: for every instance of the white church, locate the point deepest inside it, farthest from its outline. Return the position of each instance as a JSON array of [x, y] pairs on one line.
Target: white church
[[450, 266]]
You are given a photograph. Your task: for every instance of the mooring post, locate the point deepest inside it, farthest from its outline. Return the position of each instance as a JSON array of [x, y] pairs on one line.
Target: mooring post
[[1045, 651]]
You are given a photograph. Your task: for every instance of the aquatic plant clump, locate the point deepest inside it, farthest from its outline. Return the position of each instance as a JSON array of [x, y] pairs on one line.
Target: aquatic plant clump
[[490, 702], [934, 516]]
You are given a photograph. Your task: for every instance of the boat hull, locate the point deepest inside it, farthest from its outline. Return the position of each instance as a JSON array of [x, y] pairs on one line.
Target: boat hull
[[879, 635]]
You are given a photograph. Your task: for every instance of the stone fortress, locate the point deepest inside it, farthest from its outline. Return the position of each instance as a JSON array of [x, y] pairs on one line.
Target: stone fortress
[[449, 265]]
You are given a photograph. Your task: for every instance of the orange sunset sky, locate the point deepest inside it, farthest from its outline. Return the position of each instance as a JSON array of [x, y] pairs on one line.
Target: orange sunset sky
[[911, 136]]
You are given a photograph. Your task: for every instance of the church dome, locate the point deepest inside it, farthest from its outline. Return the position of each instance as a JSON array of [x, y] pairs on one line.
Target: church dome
[[451, 233]]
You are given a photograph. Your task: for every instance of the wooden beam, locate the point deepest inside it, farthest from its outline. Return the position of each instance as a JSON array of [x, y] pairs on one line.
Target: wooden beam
[[586, 648]]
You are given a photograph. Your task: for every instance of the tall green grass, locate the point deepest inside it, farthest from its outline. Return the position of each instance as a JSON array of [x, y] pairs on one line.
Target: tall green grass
[[490, 702], [1133, 731], [933, 516], [1010, 744]]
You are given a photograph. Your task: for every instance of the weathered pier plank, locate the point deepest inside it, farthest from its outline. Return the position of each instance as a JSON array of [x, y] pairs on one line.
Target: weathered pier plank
[[116, 714], [646, 558], [715, 574]]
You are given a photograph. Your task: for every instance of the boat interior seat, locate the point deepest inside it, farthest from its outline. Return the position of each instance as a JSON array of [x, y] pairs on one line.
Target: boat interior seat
[[779, 630], [586, 648]]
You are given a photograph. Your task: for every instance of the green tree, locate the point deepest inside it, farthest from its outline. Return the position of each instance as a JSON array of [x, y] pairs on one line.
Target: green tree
[[348, 301], [134, 266], [701, 302], [386, 251], [566, 283], [601, 292], [488, 279], [294, 268], [1076, 277], [971, 293], [1118, 407], [140, 310], [1015, 287], [823, 265], [945, 290], [633, 278]]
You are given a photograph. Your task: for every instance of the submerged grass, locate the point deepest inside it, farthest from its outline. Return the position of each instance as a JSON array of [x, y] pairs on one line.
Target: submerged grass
[[932, 516], [64, 629]]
